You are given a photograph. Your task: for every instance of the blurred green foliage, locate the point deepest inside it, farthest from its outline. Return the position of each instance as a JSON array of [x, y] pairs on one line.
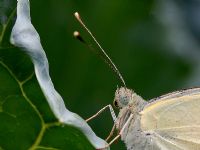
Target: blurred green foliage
[[134, 38]]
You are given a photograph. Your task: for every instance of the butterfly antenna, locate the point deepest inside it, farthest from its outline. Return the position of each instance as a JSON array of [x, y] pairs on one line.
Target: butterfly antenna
[[105, 55]]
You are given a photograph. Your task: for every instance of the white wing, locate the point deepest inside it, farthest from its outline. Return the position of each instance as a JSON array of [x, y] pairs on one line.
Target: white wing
[[174, 121]]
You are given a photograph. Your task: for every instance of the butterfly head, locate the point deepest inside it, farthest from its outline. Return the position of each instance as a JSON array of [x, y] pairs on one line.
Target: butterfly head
[[122, 97]]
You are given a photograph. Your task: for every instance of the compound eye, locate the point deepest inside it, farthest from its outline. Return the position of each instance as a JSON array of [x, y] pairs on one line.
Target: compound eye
[[115, 103]]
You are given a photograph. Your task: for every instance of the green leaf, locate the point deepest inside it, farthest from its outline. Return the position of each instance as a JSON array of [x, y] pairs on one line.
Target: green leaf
[[26, 121]]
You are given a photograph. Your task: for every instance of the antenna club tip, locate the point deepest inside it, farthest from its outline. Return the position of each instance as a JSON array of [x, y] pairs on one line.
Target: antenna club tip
[[76, 14], [76, 33]]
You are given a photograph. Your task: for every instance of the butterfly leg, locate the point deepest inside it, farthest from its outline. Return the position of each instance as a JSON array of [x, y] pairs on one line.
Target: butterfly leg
[[111, 132], [101, 110], [120, 133]]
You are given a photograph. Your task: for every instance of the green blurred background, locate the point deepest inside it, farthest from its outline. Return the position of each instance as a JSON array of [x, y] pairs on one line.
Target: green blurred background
[[155, 45]]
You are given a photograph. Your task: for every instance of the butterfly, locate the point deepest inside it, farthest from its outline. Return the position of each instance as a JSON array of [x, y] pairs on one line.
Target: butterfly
[[169, 122]]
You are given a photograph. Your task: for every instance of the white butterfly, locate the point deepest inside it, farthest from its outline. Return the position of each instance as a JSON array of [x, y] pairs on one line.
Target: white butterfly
[[169, 122]]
